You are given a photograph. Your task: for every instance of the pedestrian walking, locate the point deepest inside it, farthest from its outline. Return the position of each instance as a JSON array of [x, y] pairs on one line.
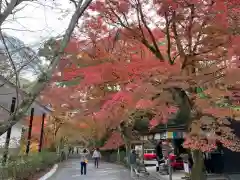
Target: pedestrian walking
[[96, 156], [84, 161], [166, 149], [159, 153], [133, 162]]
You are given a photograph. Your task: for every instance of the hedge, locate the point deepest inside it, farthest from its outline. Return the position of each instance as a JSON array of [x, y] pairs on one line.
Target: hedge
[[24, 167]]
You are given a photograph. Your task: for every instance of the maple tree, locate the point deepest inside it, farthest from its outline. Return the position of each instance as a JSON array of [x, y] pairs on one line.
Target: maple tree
[[114, 142], [156, 55], [64, 121]]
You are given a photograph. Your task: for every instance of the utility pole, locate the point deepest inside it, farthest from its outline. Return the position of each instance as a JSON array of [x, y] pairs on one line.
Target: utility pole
[[8, 136]]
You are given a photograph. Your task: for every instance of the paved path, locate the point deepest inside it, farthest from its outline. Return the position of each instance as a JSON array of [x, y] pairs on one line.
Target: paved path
[[70, 170]]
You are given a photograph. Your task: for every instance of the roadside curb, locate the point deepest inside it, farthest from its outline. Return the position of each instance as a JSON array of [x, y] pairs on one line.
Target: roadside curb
[[50, 173], [164, 177]]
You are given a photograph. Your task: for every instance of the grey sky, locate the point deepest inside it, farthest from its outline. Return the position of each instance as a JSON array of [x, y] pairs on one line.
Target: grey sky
[[40, 20], [37, 21]]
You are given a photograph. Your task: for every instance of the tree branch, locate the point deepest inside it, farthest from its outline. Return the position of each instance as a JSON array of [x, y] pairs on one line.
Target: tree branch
[[1, 5], [9, 9], [4, 108], [171, 61], [14, 69], [178, 42], [190, 26], [204, 22], [157, 51], [44, 78]]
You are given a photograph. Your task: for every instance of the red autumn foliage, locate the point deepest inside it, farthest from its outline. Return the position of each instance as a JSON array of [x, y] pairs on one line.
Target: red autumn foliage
[[115, 141], [36, 129], [157, 47]]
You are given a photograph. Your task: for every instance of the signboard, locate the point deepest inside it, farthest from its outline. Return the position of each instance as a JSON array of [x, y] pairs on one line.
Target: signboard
[[165, 135], [169, 135], [157, 136], [186, 168]]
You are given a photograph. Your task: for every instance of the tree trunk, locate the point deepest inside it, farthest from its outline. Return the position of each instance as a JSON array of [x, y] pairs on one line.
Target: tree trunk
[[198, 170], [126, 142], [128, 150], [142, 154], [185, 113], [6, 147], [127, 147], [118, 155]]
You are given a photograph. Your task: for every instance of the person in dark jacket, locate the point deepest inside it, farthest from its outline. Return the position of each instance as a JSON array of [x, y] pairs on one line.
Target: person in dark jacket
[[159, 152], [133, 162]]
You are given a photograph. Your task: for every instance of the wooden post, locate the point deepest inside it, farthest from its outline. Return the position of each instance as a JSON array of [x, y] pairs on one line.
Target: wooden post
[[142, 155], [22, 141], [8, 136], [169, 168], [29, 132], [42, 132]]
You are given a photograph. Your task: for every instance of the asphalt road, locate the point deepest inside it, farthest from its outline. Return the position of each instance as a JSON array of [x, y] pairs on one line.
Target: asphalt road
[[70, 170]]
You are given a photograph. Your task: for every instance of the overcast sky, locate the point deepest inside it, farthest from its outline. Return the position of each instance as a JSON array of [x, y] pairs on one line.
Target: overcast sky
[[37, 22]]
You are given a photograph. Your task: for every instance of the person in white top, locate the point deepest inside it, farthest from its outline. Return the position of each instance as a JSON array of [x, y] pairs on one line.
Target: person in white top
[[96, 156]]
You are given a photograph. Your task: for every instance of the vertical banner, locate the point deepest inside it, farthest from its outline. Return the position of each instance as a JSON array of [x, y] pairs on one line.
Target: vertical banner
[[186, 168]]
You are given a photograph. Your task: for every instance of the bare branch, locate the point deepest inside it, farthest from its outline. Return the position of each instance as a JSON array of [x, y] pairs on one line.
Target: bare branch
[[139, 24], [178, 42], [4, 108], [74, 2], [0, 6], [190, 26], [45, 77], [14, 69], [9, 9], [171, 61], [22, 66], [157, 51]]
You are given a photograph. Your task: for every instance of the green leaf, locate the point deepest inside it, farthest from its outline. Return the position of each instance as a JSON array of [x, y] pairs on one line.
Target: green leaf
[[73, 82], [161, 43]]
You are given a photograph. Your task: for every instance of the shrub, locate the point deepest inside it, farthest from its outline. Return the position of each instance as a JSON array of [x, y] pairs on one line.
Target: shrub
[[24, 167], [111, 156]]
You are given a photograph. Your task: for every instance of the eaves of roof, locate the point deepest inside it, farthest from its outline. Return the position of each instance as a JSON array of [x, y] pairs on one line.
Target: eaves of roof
[[22, 92]]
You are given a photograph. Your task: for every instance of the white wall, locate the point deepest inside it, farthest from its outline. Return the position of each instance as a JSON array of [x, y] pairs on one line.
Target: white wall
[[15, 136]]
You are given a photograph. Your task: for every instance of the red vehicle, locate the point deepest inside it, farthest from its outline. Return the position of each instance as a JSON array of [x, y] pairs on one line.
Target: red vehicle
[[176, 162], [149, 154]]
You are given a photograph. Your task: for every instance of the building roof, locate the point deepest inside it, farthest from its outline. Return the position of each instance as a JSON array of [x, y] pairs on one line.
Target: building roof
[[22, 92], [163, 128]]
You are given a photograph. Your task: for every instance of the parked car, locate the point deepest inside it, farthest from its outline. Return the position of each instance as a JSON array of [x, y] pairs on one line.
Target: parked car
[[150, 157], [176, 162]]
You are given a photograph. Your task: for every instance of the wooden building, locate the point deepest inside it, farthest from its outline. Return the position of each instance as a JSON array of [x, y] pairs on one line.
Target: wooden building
[[7, 93]]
